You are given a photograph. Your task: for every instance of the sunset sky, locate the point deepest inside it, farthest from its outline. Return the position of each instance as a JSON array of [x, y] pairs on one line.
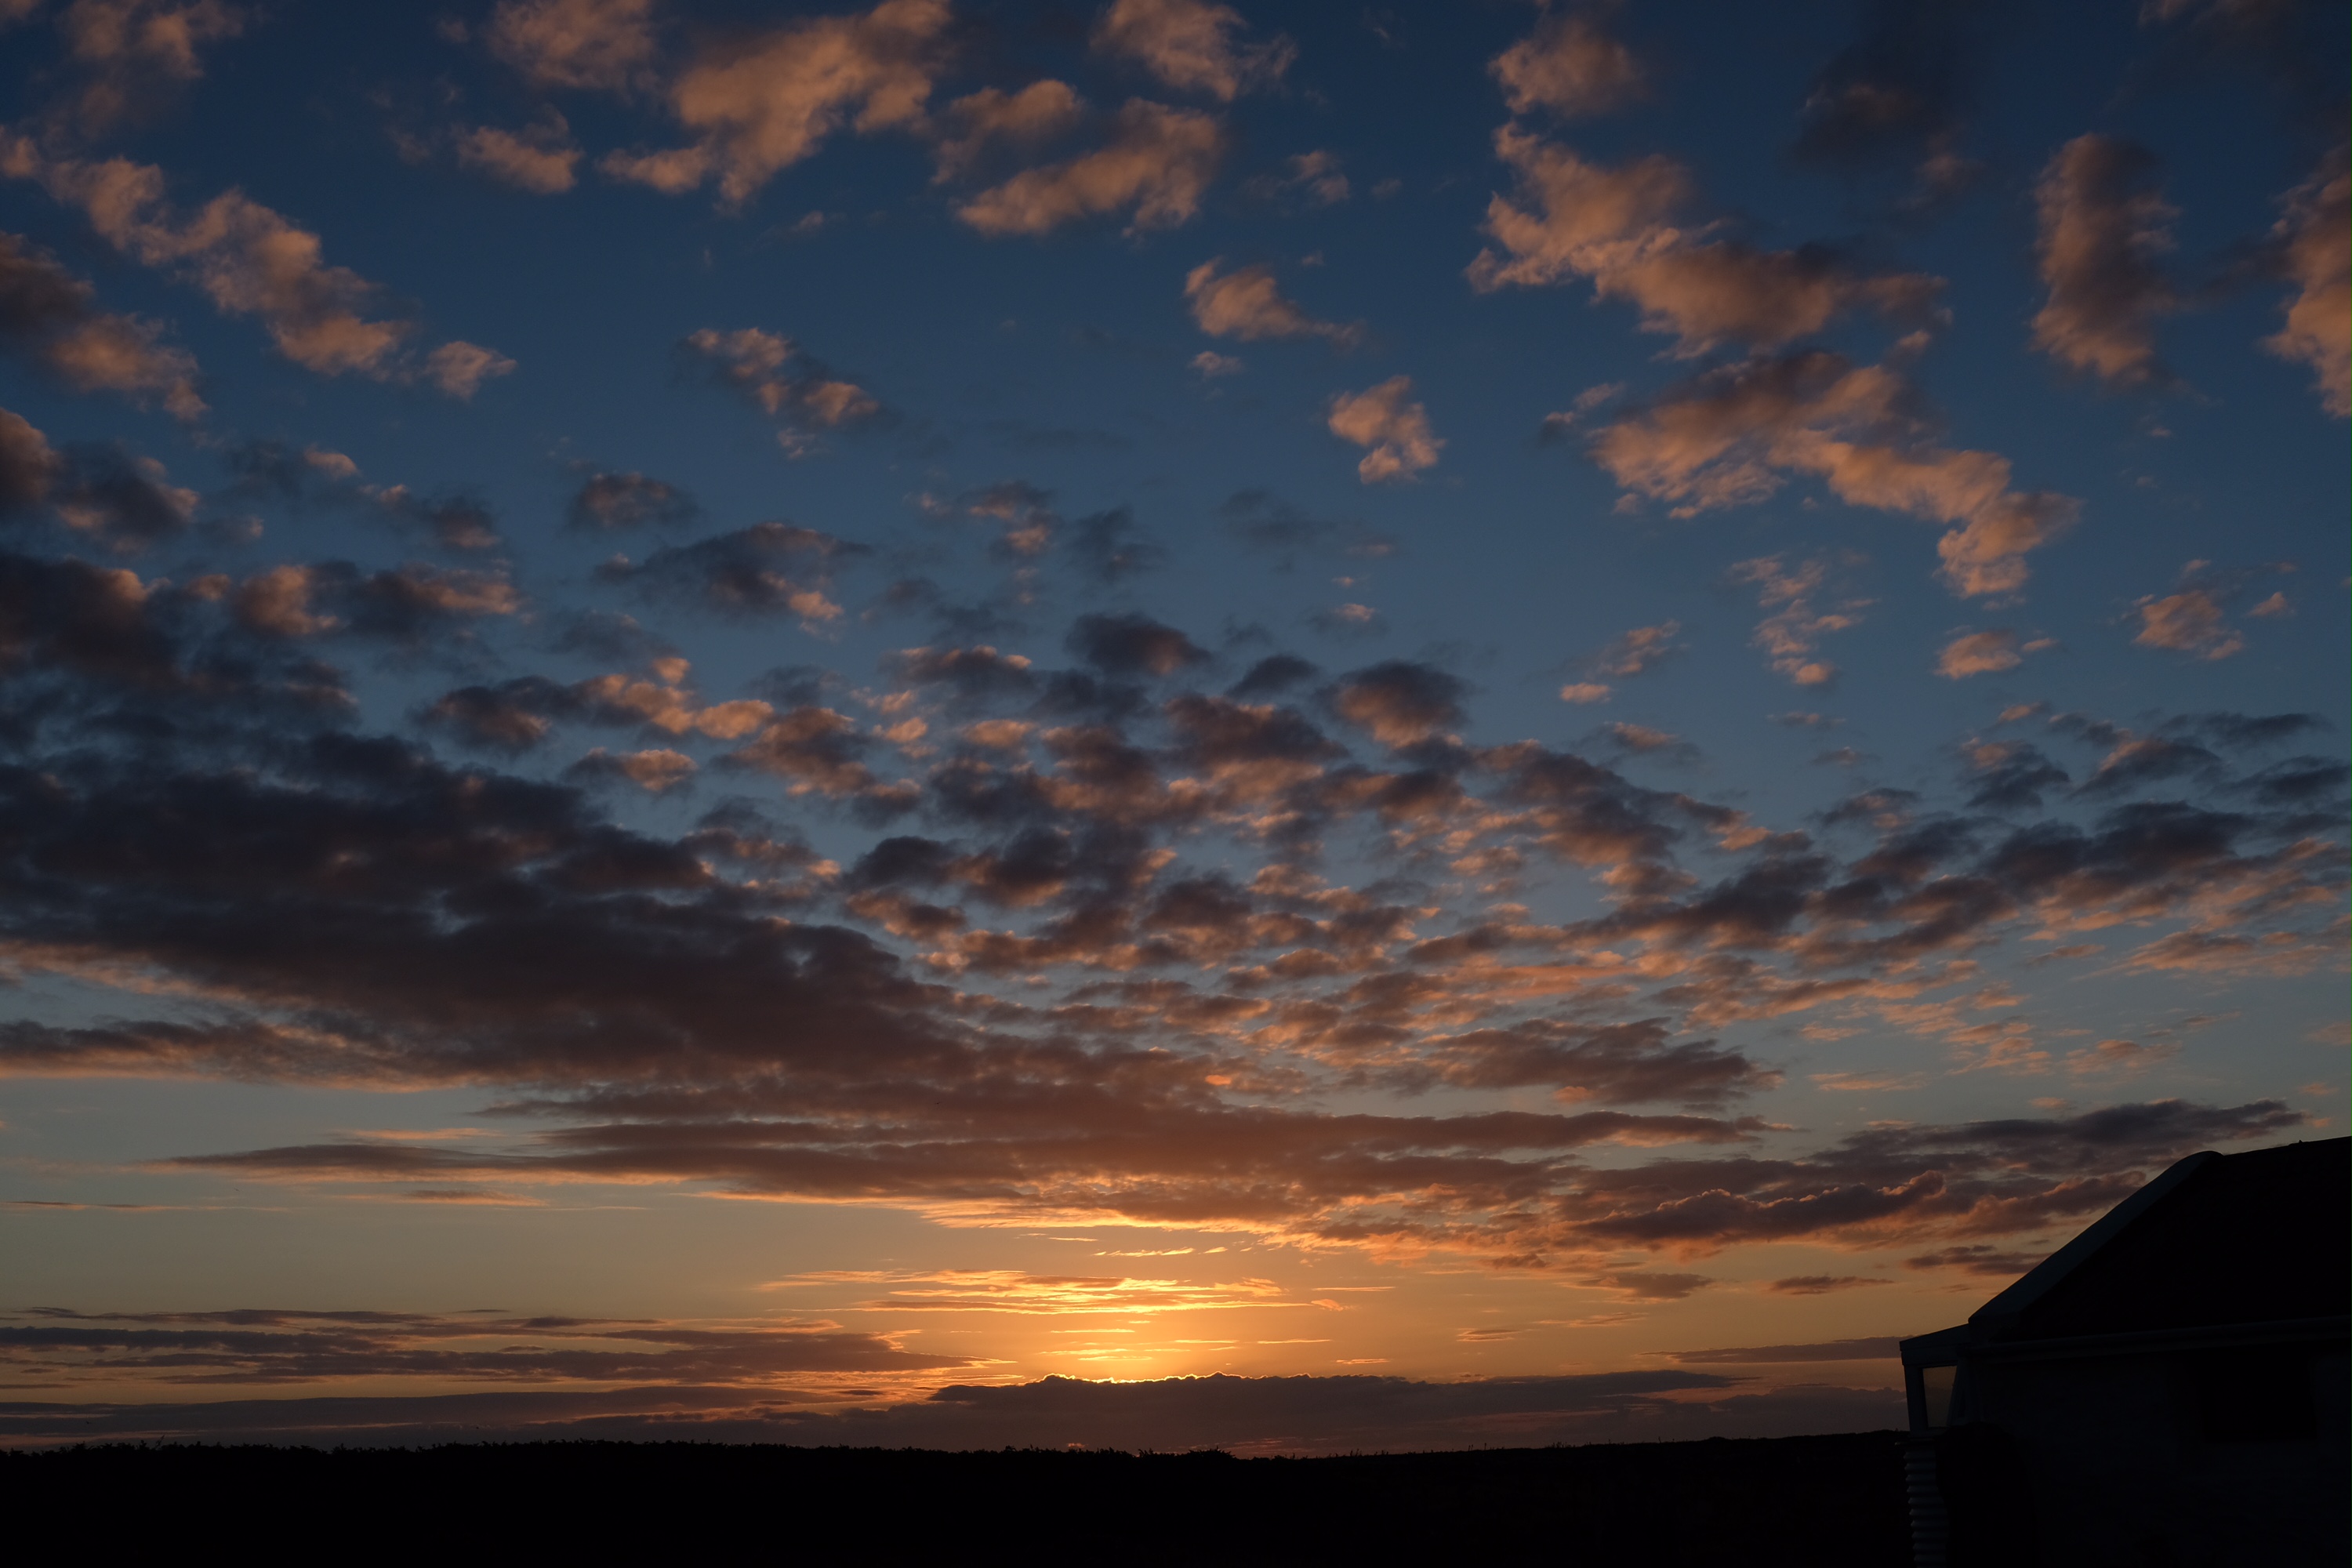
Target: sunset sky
[[762, 721]]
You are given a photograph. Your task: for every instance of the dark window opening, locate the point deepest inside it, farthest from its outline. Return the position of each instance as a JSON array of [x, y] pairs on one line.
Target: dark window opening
[[2253, 1395]]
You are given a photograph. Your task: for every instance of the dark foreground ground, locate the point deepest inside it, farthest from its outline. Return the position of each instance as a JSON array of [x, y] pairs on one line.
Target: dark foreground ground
[[1817, 1501]]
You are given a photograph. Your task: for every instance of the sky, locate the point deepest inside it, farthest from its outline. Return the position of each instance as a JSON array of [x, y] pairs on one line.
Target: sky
[[1147, 724]]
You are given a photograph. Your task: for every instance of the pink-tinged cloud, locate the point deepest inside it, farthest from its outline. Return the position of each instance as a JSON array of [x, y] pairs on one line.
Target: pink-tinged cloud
[[2103, 228], [1246, 303], [1394, 428], [541, 158], [1616, 227], [1156, 163], [52, 316], [584, 45], [970, 127], [2315, 241], [777, 378], [1980, 653], [756, 105], [1570, 65], [2192, 622], [1728, 437], [249, 261], [1792, 634], [136, 53], [1191, 46]]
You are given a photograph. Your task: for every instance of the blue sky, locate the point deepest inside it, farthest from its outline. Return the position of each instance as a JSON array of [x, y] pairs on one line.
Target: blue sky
[[1074, 650]]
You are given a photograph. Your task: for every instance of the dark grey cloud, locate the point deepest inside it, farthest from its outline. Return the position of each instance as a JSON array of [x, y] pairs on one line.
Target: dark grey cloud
[[606, 501], [1880, 1349], [767, 569], [1107, 547], [1397, 701], [1132, 644]]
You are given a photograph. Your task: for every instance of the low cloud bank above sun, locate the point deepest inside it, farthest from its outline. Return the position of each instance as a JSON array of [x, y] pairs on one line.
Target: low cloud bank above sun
[[1076, 707]]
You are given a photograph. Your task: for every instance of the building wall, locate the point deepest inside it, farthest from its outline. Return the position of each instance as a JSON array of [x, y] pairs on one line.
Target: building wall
[[2176, 1459]]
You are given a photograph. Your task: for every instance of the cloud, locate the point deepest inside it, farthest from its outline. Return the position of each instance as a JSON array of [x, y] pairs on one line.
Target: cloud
[[1395, 430], [1038, 112], [1726, 438], [769, 568], [1900, 90], [249, 261], [1639, 650], [105, 494], [1642, 740], [592, 45], [1399, 703], [1793, 632], [776, 377], [1879, 1349], [2187, 622], [1820, 1285], [1261, 519], [1108, 548], [759, 102], [138, 53], [2102, 224], [1584, 691], [1615, 227], [1247, 304], [1979, 1259], [1569, 65], [50, 315], [1156, 160], [1210, 364], [1980, 653], [540, 158], [28, 463], [1132, 644], [406, 604], [1189, 45], [458, 369], [1316, 174], [2316, 255], [292, 1348], [1620, 1064], [2192, 620], [654, 771], [1094, 954], [607, 501]]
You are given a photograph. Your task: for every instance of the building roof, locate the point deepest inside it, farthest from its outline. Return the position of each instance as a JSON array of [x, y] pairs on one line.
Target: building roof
[[2216, 1240]]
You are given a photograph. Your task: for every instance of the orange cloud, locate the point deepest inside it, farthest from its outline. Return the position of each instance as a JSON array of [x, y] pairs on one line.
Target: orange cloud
[[1157, 163], [1190, 46], [540, 159], [605, 45], [1615, 227], [2315, 239], [249, 261], [1040, 110], [1979, 652], [48, 311], [1395, 429], [1247, 304], [1571, 66], [1726, 439], [757, 106]]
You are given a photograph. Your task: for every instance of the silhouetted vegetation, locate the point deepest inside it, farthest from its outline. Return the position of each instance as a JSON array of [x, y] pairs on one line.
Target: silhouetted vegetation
[[1826, 1501]]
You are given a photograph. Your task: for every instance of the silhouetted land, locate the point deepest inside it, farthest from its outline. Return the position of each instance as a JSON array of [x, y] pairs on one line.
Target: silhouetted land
[[1828, 1501]]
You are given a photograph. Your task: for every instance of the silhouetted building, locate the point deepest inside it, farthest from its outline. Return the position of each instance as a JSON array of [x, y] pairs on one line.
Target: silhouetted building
[[2167, 1390]]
